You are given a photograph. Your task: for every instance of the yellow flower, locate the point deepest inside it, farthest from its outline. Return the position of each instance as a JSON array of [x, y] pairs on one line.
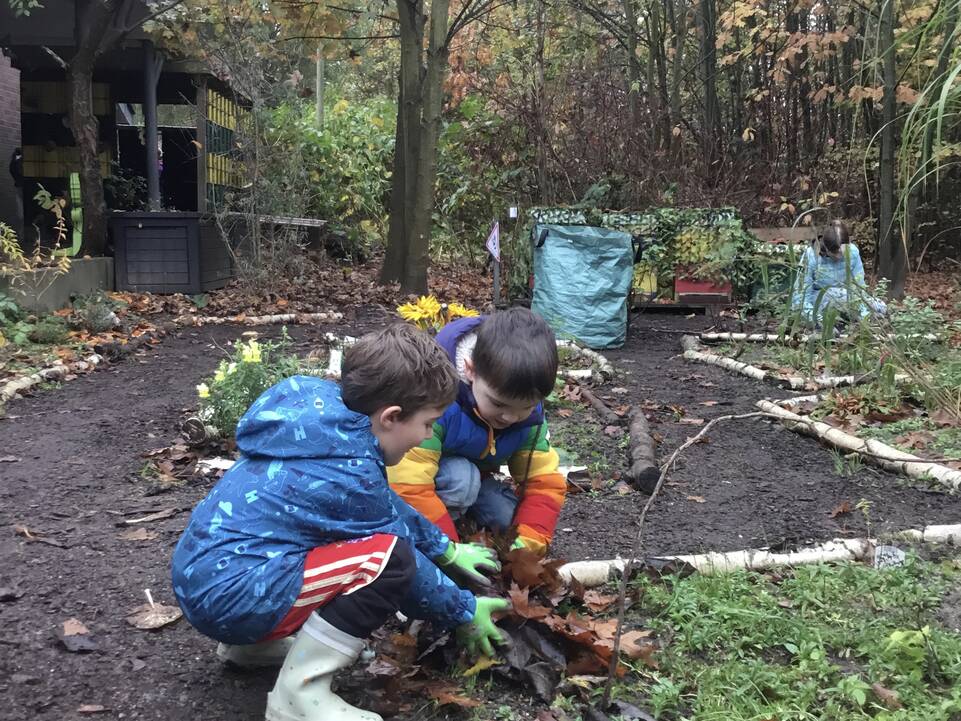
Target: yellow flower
[[456, 310], [250, 353], [231, 368], [220, 374], [203, 391]]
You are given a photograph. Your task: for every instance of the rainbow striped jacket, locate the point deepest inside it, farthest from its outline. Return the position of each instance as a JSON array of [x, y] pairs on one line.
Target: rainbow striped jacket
[[524, 447]]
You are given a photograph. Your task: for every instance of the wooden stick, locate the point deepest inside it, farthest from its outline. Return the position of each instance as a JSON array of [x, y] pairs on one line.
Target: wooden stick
[[873, 450], [791, 340], [604, 367]]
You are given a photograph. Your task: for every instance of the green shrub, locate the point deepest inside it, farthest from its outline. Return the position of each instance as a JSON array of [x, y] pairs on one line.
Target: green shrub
[[49, 330], [252, 368]]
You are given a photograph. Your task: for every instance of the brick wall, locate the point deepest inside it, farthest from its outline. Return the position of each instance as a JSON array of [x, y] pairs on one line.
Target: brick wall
[[9, 139]]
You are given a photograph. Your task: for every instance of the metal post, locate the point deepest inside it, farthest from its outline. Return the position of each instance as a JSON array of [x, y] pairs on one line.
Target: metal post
[[152, 63], [497, 283], [321, 70]]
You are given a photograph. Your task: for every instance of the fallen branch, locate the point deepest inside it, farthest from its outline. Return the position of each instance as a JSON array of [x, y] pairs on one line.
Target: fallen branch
[[608, 416], [241, 319], [636, 547], [873, 450], [56, 372], [643, 472]]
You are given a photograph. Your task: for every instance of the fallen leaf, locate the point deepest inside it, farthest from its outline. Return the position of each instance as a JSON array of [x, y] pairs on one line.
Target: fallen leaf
[[841, 508], [697, 499], [918, 440], [74, 627], [564, 412], [619, 390], [9, 459], [613, 431], [149, 617], [622, 488], [637, 645], [709, 404], [92, 708], [137, 534], [445, 695], [630, 712], [888, 697], [520, 604], [597, 601], [691, 421], [944, 418]]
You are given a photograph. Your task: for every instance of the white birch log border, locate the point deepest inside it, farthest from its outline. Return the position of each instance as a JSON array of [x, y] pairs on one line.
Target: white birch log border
[[597, 573], [55, 372], [280, 318], [787, 339], [872, 450], [792, 382]]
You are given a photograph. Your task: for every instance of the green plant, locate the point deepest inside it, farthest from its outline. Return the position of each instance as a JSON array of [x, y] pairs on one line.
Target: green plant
[[49, 330], [95, 313], [125, 190], [252, 368], [9, 310]]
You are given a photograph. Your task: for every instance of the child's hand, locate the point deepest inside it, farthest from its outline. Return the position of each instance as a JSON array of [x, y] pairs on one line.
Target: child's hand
[[468, 563], [477, 634]]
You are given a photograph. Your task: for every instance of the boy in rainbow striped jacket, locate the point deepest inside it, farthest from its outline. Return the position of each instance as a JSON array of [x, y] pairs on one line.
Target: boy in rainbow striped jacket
[[507, 363]]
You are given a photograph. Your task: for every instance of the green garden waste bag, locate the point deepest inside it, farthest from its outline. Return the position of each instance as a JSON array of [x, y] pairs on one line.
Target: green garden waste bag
[[582, 277]]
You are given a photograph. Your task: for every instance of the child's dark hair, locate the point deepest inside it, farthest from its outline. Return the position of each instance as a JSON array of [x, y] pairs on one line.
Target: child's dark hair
[[398, 366], [516, 353], [834, 236]]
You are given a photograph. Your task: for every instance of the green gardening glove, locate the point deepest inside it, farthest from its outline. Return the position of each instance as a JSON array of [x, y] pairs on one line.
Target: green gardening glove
[[477, 634], [467, 562]]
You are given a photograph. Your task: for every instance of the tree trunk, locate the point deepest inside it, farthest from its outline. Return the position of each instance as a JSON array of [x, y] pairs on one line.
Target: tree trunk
[[677, 68], [95, 33], [708, 13], [633, 70], [891, 247], [415, 275], [539, 106], [407, 140]]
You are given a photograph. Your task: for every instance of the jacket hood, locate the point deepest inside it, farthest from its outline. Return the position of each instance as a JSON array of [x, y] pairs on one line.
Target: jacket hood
[[305, 417]]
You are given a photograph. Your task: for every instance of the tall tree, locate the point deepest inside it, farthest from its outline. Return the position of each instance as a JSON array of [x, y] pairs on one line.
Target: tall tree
[[420, 103], [892, 255]]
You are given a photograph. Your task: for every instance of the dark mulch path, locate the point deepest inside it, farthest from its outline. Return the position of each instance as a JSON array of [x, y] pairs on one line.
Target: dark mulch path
[[81, 450], [761, 484]]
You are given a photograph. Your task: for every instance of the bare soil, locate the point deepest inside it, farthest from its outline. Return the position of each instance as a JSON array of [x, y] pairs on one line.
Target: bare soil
[[71, 476]]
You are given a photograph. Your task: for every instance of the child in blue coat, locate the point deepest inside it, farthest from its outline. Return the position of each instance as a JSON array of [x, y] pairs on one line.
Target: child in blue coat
[[303, 535], [832, 275]]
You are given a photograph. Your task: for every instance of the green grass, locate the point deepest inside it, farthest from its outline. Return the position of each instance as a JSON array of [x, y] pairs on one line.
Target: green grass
[[805, 644], [946, 442]]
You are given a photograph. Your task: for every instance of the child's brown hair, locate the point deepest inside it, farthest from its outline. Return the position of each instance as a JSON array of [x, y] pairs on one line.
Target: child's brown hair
[[398, 366], [516, 353]]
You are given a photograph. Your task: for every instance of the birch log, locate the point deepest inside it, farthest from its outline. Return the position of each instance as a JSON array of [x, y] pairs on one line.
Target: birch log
[[289, 318], [872, 450], [55, 372]]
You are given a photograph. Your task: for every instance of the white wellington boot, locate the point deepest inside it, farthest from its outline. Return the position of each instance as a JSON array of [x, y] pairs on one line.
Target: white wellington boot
[[302, 691], [255, 655]]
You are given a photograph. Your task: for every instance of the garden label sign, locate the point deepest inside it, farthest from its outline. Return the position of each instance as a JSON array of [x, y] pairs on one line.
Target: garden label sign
[[494, 247], [494, 242]]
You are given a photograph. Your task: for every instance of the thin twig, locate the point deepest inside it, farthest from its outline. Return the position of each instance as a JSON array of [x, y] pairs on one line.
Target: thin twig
[[636, 546], [59, 60]]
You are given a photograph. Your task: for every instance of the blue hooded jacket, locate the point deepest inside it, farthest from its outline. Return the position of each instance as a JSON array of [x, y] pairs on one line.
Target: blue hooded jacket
[[311, 473]]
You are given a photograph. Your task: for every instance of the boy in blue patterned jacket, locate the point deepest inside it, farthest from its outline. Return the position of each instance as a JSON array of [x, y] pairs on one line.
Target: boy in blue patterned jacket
[[303, 535]]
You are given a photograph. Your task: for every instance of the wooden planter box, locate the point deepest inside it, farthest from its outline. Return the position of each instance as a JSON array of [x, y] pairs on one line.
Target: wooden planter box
[[169, 253], [688, 290]]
